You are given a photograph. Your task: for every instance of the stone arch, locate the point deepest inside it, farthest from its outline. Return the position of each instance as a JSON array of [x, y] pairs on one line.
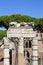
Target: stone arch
[[27, 44], [28, 54], [30, 44]]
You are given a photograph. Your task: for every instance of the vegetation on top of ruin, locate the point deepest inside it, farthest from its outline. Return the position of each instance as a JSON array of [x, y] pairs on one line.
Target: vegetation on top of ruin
[[5, 20]]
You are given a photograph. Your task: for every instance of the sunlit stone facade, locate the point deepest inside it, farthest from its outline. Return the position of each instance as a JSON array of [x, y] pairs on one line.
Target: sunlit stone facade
[[21, 44]]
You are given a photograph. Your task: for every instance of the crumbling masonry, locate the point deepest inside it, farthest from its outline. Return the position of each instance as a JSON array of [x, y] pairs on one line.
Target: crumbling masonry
[[21, 44]]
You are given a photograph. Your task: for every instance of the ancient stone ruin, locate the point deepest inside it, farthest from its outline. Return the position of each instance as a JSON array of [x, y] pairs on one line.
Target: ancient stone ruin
[[22, 46]]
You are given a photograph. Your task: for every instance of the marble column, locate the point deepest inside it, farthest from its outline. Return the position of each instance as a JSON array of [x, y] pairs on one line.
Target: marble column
[[6, 57], [21, 52], [6, 52], [35, 51]]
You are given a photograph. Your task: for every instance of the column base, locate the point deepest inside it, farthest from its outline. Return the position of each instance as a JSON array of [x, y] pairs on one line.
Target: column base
[[34, 62], [6, 62]]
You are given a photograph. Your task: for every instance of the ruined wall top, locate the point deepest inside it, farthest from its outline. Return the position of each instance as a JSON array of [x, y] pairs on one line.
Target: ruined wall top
[[21, 30], [21, 25]]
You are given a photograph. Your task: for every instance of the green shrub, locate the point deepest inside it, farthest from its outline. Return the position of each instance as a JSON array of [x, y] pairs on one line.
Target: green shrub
[[2, 34]]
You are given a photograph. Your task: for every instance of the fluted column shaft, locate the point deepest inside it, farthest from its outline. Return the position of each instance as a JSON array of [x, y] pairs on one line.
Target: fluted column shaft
[[35, 51]]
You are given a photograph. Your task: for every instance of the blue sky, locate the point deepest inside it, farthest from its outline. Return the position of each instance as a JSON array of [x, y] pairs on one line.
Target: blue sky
[[2, 28], [32, 8]]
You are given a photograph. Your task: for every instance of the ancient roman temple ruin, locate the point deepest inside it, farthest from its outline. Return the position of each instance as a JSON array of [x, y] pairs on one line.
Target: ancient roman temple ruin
[[22, 45]]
